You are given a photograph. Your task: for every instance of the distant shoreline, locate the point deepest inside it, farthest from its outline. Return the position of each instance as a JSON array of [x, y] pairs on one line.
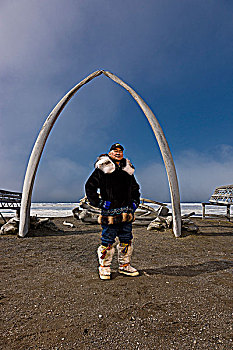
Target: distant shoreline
[[62, 209]]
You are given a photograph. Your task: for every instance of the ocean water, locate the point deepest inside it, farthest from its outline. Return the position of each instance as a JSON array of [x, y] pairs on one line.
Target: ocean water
[[65, 209]]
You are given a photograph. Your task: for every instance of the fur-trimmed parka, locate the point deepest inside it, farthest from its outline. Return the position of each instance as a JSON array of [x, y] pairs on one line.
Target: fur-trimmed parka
[[117, 183]]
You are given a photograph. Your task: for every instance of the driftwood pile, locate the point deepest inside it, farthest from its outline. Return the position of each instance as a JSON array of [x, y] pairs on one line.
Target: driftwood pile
[[155, 219], [11, 227], [143, 215], [162, 223]]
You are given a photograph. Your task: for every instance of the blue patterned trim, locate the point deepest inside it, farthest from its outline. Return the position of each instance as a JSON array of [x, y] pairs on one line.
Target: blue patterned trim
[[116, 211]]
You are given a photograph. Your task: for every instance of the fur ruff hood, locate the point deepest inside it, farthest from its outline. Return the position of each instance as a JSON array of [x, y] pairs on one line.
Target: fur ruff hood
[[105, 163]]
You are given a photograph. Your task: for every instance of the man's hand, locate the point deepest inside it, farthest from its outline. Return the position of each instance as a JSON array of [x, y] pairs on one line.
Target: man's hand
[[134, 207], [106, 205]]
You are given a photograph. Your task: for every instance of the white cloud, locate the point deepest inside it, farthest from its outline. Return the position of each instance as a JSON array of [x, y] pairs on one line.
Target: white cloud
[[198, 174], [60, 179]]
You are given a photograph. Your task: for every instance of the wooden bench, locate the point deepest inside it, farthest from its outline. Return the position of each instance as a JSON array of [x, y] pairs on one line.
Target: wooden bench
[[10, 200], [222, 196]]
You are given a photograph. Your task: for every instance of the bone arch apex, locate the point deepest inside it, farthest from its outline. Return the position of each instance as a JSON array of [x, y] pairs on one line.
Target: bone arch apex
[[47, 127]]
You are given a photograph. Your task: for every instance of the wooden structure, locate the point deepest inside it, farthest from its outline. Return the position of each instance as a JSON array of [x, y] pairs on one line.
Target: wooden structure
[[10, 200], [222, 196]]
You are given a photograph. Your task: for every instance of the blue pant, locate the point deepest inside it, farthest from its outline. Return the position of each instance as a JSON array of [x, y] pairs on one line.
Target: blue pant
[[122, 230]]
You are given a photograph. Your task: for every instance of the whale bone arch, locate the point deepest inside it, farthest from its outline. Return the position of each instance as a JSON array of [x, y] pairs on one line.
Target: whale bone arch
[[47, 127]]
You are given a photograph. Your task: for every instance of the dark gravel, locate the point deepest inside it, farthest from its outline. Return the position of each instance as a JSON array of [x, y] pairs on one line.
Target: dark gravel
[[52, 298]]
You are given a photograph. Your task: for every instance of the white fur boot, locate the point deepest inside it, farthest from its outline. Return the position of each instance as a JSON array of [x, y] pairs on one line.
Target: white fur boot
[[105, 255], [125, 251]]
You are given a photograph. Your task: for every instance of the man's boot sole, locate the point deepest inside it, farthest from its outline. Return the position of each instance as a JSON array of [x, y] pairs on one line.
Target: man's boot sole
[[105, 277], [132, 274]]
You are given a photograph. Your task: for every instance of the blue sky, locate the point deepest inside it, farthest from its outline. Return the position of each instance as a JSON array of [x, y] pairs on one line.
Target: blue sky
[[177, 54]]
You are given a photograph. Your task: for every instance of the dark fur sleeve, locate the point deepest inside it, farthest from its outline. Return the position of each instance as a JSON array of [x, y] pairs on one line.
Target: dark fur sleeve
[[91, 187], [135, 191]]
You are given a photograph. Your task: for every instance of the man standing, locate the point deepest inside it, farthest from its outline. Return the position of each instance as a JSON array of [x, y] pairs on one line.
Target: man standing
[[118, 200]]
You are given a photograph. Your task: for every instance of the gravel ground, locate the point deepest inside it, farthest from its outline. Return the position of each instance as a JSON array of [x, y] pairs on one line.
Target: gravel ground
[[52, 298]]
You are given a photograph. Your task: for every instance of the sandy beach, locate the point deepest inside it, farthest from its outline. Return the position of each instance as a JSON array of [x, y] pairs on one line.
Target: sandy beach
[[52, 297]]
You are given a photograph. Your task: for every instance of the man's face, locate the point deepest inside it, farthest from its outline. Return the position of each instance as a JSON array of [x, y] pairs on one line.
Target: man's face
[[116, 154]]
